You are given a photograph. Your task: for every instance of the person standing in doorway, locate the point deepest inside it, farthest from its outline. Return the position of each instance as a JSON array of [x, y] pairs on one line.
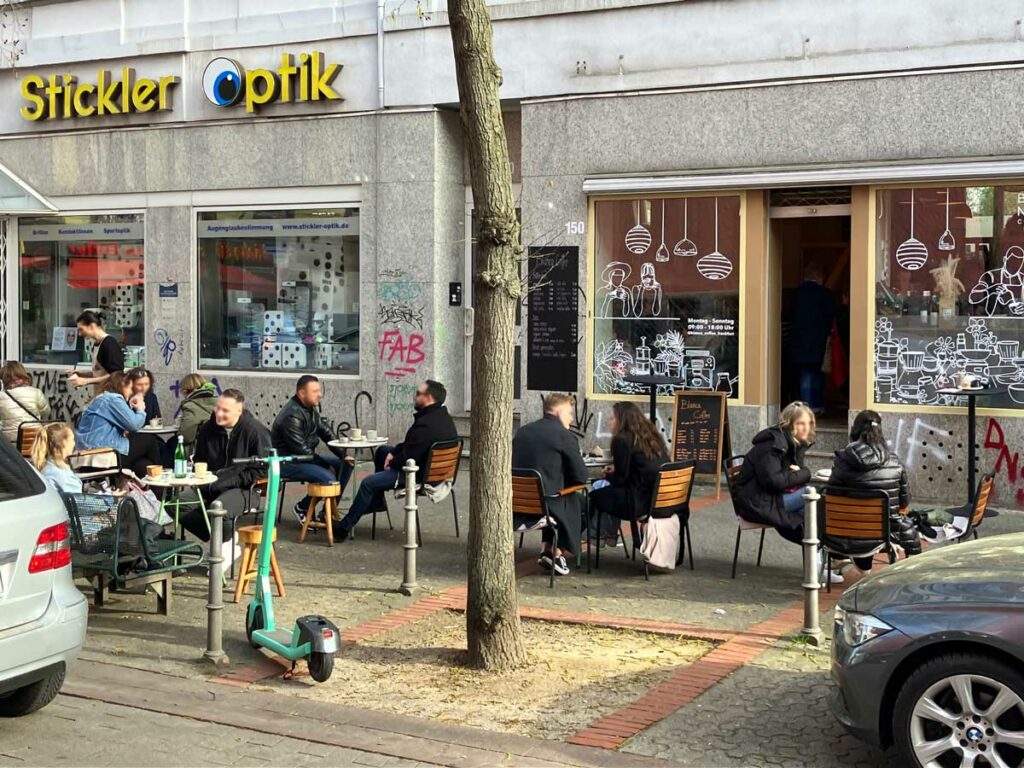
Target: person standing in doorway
[[814, 311], [107, 356]]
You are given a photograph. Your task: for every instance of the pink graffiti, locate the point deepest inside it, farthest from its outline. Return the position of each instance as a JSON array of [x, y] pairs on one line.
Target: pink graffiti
[[1006, 462], [404, 352]]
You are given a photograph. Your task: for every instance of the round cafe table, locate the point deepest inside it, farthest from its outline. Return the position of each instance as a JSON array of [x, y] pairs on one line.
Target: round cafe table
[[163, 429], [972, 394], [167, 480], [363, 444]]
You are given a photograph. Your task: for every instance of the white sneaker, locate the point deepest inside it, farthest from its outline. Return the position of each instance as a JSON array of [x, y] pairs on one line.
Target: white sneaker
[[835, 577], [230, 551]]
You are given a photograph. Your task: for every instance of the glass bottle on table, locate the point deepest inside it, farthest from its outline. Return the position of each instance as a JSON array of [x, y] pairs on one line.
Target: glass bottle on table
[[180, 461]]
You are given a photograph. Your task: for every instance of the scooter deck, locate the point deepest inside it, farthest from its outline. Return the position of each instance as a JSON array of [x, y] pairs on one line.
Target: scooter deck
[[281, 636]]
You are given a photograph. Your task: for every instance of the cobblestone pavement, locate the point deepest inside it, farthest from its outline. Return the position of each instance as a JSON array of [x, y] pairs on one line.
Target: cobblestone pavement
[[78, 732], [772, 712]]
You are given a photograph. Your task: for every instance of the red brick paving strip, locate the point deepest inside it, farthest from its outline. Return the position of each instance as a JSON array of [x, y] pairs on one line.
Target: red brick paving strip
[[686, 684]]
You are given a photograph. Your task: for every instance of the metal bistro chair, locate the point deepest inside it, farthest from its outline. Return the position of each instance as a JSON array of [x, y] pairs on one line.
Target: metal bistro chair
[[733, 467], [530, 501], [981, 499], [855, 515], [442, 466]]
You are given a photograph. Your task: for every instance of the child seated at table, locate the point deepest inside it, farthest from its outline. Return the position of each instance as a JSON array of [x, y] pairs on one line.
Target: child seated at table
[[50, 451]]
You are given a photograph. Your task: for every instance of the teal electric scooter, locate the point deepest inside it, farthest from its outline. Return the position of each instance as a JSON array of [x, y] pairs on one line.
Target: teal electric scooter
[[313, 638]]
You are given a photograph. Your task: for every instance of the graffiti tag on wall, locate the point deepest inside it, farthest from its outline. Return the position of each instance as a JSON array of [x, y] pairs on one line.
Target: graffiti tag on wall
[[66, 402]]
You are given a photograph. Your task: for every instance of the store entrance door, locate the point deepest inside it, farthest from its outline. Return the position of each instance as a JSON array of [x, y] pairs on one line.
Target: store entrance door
[[810, 246]]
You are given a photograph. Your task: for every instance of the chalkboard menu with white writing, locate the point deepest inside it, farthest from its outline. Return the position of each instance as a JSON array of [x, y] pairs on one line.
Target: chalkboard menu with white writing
[[700, 430], [552, 306]]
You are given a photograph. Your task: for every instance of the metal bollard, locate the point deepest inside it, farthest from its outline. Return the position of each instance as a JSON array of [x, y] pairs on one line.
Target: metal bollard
[[812, 629], [409, 584], [215, 604]]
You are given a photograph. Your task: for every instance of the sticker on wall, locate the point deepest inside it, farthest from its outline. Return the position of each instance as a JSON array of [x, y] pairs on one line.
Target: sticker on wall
[[715, 266], [647, 288], [662, 253], [685, 247], [911, 253], [615, 290], [946, 240], [638, 239]]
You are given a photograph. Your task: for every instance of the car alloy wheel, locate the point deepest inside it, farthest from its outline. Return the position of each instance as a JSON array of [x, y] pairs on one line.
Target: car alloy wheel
[[968, 720]]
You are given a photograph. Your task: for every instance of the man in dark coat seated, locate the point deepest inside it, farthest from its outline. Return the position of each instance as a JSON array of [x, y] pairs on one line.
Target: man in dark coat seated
[[548, 446], [431, 424]]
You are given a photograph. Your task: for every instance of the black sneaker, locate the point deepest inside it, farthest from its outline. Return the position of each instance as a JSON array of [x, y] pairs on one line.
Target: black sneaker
[[561, 567], [300, 513], [545, 561]]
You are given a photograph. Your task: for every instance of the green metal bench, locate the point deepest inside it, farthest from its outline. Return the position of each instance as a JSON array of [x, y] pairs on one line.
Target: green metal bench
[[108, 548]]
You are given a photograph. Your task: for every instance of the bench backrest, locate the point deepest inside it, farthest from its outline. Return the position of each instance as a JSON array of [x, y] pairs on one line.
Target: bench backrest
[[672, 488], [859, 515]]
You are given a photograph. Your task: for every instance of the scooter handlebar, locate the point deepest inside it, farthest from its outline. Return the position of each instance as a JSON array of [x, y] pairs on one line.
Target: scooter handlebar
[[256, 461]]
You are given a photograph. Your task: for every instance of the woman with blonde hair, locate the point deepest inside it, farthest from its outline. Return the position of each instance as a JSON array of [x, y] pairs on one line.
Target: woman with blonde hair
[[50, 451], [198, 400], [774, 473], [20, 401]]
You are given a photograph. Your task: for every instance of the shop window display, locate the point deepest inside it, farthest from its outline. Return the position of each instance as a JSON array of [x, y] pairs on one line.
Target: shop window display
[[72, 263], [666, 292], [949, 271], [279, 290]]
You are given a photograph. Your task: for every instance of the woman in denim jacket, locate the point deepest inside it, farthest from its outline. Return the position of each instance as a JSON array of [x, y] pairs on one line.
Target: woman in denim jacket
[[113, 420]]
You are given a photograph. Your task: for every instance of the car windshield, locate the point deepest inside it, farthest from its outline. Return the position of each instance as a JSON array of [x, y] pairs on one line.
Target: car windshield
[[17, 480]]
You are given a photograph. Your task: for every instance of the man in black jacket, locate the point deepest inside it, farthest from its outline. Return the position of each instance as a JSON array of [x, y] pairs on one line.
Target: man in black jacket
[[548, 446], [297, 431], [431, 424], [231, 433]]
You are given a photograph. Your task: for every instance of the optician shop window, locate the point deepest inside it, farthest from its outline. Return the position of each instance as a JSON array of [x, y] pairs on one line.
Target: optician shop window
[[666, 300], [73, 263], [949, 275], [279, 289]]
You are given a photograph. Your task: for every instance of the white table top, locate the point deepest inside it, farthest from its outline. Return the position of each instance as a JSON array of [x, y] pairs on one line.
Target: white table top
[[168, 480], [362, 443], [597, 461], [163, 429]]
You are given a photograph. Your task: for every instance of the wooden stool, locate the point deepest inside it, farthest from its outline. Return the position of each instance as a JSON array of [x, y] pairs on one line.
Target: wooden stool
[[249, 536], [329, 492]]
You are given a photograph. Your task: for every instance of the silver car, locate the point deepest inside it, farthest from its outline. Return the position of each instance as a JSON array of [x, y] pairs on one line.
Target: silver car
[[42, 614]]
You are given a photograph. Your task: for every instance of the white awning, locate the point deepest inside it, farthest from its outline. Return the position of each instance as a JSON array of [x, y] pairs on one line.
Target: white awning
[[18, 197], [831, 176]]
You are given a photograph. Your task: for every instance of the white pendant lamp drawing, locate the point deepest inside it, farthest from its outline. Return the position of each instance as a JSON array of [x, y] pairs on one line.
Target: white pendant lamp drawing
[[912, 253], [686, 246], [947, 242], [638, 239], [715, 266], [662, 253]]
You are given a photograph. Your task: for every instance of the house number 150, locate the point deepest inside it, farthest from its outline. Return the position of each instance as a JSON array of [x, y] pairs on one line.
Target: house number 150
[[575, 227]]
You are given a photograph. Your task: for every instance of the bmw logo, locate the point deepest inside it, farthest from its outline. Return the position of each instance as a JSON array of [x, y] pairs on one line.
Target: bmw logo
[[975, 734]]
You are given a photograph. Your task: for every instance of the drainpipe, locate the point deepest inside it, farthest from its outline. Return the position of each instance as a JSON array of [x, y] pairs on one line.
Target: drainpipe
[[380, 54]]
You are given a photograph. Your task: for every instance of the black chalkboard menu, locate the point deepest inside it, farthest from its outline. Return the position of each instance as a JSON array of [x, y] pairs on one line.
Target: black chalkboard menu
[[552, 306], [700, 431]]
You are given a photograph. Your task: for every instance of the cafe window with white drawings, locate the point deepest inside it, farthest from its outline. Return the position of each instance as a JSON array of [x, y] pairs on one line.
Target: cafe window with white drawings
[[666, 299], [949, 276], [279, 290]]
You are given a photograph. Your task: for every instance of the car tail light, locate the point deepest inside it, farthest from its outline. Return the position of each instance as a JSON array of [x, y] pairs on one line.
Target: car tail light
[[53, 549]]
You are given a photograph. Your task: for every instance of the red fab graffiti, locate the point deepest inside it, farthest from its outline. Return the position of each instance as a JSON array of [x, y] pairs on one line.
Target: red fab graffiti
[[995, 439], [406, 351]]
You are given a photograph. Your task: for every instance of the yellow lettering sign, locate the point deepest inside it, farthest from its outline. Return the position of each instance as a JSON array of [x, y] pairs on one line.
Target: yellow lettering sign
[[63, 97], [309, 80]]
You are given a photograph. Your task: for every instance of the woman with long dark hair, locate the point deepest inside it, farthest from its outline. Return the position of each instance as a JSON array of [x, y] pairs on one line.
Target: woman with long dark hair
[[638, 450], [113, 420], [107, 356], [867, 464]]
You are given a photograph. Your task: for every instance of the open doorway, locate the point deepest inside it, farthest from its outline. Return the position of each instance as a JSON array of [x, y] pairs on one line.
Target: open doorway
[[811, 248]]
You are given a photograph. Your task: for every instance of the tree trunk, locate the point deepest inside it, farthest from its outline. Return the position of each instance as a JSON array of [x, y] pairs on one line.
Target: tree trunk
[[492, 616]]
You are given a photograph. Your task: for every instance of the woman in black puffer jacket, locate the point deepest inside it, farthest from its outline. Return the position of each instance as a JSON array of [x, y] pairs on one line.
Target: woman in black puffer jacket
[[867, 464]]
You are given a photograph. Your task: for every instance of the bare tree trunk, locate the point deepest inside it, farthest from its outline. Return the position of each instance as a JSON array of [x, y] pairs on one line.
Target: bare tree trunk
[[492, 617]]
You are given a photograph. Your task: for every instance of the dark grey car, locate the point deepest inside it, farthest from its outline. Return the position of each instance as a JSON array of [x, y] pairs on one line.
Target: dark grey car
[[928, 654]]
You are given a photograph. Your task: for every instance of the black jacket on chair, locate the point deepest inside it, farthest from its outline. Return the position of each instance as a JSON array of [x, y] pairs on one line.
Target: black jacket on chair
[[861, 466], [636, 472], [213, 445], [766, 476], [430, 425], [551, 449], [298, 430]]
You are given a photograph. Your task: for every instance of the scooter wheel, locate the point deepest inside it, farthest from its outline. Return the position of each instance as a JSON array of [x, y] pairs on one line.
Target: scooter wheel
[[255, 624], [321, 665]]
